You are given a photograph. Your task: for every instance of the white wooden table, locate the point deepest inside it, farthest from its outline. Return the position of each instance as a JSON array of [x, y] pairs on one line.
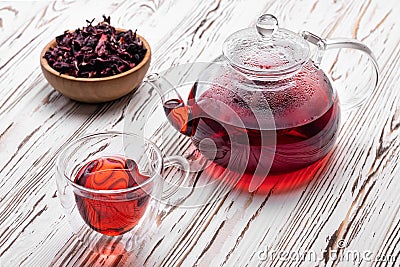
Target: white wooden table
[[351, 206]]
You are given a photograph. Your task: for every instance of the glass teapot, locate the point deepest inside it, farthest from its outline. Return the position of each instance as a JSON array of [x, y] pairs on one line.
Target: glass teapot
[[265, 106]]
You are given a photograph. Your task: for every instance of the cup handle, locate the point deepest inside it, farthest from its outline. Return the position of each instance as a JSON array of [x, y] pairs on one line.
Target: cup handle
[[182, 164], [337, 43]]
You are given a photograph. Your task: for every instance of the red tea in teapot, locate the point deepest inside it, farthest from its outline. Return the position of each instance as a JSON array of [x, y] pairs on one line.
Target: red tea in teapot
[[111, 213], [264, 106], [305, 117]]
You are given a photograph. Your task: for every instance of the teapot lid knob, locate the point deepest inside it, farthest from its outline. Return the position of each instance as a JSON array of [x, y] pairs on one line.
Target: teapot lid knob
[[267, 24], [266, 52]]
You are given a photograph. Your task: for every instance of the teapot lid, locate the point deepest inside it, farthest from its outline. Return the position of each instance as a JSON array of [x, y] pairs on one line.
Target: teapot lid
[[266, 51]]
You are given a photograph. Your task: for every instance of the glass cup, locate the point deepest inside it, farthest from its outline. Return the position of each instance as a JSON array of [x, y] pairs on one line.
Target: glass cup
[[114, 221]]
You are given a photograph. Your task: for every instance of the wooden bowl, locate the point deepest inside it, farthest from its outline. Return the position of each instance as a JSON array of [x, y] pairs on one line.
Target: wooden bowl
[[96, 90]]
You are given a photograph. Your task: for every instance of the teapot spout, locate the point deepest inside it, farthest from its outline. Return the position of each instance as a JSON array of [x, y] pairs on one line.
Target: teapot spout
[[163, 87], [178, 114]]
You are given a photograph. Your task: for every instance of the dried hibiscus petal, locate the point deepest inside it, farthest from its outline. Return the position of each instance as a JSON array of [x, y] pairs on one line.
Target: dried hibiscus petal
[[95, 51]]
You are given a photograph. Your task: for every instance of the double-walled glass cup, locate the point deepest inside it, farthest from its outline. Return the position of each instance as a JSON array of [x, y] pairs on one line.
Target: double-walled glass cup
[[114, 221]]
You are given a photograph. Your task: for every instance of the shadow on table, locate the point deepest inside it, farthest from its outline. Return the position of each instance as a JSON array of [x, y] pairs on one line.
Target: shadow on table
[[278, 183]]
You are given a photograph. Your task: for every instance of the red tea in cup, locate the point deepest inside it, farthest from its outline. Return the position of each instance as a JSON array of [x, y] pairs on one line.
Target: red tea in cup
[[112, 213]]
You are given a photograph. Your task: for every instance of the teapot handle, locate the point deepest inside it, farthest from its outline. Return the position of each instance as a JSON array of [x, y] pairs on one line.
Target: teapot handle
[[337, 43]]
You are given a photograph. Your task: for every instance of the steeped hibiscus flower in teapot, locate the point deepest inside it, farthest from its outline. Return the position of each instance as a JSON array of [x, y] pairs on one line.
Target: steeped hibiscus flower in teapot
[[266, 107]]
